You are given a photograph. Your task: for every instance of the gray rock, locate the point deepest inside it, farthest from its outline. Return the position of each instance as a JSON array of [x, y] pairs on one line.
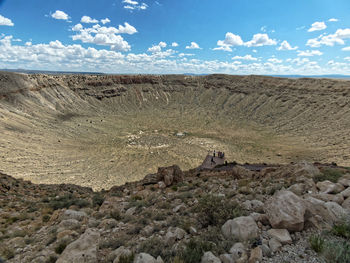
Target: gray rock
[[274, 245], [346, 193], [338, 198], [72, 214], [144, 258], [266, 250], [337, 211], [82, 250], [68, 224], [237, 250], [344, 181], [243, 228], [227, 258], [328, 187], [255, 255], [346, 204], [282, 235], [209, 257], [286, 210]]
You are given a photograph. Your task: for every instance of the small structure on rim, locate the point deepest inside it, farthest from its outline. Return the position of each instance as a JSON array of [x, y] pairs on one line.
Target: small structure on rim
[[213, 159]]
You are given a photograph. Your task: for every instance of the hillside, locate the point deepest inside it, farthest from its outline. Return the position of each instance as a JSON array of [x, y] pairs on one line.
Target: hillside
[[103, 130], [281, 213]]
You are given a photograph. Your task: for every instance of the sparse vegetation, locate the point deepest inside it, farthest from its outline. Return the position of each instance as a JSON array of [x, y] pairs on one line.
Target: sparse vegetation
[[213, 210], [330, 174], [61, 247], [342, 229], [317, 243]]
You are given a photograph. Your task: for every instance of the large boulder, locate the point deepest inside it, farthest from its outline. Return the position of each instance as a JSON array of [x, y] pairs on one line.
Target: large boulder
[[286, 210], [328, 187], [346, 204], [282, 235], [346, 193], [337, 211], [144, 258], [209, 257], [82, 250], [170, 175], [243, 228], [317, 214]]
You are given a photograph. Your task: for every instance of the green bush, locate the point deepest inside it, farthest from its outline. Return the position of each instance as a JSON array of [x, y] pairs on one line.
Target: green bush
[[317, 243], [66, 201], [126, 259], [194, 251], [60, 247], [213, 210], [337, 252], [330, 174], [46, 218], [97, 199], [342, 229]]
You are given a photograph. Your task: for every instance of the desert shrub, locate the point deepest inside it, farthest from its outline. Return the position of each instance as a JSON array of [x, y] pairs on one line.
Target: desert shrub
[[45, 218], [126, 258], [337, 252], [159, 216], [164, 205], [60, 247], [219, 244], [174, 188], [115, 214], [97, 199], [134, 230], [7, 253], [66, 201], [156, 247], [329, 174], [214, 210], [317, 243], [342, 229], [194, 250]]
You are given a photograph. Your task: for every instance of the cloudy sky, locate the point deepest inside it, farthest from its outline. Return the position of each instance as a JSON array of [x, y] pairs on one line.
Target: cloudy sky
[[177, 36]]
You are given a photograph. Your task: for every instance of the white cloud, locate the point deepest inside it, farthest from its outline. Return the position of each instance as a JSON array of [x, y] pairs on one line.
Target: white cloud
[[88, 20], [105, 21], [130, 2], [193, 45], [185, 55], [77, 27], [174, 44], [134, 5], [5, 21], [106, 36], [317, 26], [60, 15], [286, 46], [260, 40], [298, 61], [157, 48], [275, 60], [347, 58], [246, 57], [346, 49], [330, 40], [263, 28], [309, 53], [229, 41], [126, 29], [333, 20]]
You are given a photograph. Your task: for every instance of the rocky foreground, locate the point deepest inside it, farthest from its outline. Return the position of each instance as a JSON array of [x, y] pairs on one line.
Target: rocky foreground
[[283, 213]]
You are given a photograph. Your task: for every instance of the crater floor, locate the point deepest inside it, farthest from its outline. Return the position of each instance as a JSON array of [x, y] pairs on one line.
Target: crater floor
[[100, 131]]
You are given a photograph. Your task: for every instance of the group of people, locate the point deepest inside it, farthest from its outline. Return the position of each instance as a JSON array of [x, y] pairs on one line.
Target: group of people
[[220, 154]]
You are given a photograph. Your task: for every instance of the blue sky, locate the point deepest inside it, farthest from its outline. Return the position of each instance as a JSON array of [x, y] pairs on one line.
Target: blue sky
[[168, 36]]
